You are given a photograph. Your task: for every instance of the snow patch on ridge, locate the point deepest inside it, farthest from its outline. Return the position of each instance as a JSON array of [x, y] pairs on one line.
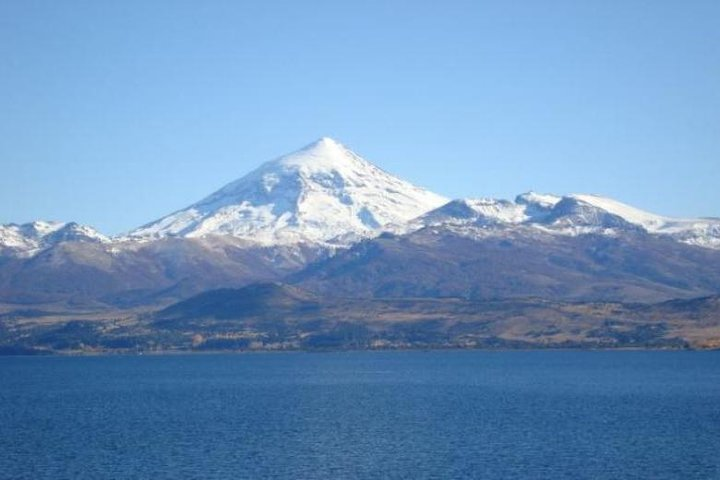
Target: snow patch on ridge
[[704, 232], [28, 239], [569, 215]]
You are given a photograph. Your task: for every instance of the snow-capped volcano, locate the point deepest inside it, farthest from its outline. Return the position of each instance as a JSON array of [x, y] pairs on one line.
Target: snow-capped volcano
[[321, 193]]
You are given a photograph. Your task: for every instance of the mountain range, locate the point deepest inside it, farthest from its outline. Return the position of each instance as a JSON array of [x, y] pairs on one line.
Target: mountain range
[[331, 224], [326, 194]]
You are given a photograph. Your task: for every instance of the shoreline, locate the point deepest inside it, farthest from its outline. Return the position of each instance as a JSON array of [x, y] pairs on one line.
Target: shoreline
[[170, 353]]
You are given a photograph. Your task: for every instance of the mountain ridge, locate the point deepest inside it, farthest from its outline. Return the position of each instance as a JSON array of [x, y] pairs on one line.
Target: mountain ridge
[[573, 214]]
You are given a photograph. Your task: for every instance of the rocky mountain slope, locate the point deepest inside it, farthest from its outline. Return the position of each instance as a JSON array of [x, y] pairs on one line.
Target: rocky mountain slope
[[153, 273], [485, 262]]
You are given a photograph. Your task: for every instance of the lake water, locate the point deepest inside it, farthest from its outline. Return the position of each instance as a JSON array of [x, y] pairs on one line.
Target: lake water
[[410, 415]]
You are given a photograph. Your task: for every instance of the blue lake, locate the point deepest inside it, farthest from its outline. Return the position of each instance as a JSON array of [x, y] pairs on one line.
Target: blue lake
[[413, 415]]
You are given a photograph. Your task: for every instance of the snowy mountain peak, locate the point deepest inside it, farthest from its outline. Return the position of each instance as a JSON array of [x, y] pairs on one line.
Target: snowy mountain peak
[[324, 155], [325, 143], [323, 192], [566, 215], [543, 200], [704, 232], [479, 211], [30, 238]]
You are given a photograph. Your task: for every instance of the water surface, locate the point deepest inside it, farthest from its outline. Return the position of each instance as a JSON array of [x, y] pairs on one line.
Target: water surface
[[414, 415]]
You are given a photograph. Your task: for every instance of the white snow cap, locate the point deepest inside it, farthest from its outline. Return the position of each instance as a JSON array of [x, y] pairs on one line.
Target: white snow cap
[[323, 192]]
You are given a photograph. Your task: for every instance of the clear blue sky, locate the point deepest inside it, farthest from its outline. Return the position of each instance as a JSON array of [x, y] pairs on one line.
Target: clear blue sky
[[114, 113]]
